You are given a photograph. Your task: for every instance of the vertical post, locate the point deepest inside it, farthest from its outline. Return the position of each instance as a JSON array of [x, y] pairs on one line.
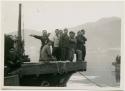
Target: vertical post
[[19, 23], [20, 45]]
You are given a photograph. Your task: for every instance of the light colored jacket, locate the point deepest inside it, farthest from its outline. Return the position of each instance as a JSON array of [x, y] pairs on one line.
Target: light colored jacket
[[46, 53], [56, 40]]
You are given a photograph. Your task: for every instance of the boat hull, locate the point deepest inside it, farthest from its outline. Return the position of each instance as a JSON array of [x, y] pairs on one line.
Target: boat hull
[[46, 80], [55, 74]]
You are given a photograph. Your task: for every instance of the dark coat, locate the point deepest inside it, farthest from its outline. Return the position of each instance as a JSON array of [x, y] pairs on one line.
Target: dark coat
[[44, 39], [72, 43], [80, 42], [64, 41]]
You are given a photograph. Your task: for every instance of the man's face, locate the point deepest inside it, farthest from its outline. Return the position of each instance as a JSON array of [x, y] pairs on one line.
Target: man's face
[[71, 35], [56, 31], [78, 33], [65, 31], [61, 31], [83, 32], [44, 32]]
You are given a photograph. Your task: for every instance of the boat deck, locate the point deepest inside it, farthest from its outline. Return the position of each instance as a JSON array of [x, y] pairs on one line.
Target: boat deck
[[52, 67]]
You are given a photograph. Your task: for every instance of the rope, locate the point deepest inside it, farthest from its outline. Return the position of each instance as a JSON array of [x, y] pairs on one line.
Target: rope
[[90, 80]]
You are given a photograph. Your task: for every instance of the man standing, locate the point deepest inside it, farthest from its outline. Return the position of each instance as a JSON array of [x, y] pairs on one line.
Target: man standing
[[81, 43], [72, 45], [84, 41], [64, 45], [56, 51]]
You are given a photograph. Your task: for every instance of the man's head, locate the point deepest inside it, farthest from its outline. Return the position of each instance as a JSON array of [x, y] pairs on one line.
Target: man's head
[[83, 31], [44, 32], [60, 32], [71, 34], [57, 31], [65, 31], [78, 33]]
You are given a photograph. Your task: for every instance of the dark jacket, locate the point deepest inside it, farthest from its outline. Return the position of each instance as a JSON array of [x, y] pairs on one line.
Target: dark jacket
[[80, 41], [44, 39], [64, 41], [72, 43]]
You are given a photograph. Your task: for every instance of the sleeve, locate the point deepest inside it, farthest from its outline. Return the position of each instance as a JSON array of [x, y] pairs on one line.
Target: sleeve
[[80, 40], [60, 41], [85, 38], [72, 40], [53, 39], [49, 51], [38, 37]]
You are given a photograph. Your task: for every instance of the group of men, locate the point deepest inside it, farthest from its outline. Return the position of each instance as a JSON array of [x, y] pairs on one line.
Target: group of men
[[64, 45]]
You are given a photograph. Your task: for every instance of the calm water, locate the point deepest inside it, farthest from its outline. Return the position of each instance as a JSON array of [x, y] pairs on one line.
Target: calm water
[[99, 70]]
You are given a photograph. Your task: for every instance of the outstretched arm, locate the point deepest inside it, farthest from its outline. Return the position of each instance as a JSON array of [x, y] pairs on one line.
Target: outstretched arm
[[35, 36], [72, 40]]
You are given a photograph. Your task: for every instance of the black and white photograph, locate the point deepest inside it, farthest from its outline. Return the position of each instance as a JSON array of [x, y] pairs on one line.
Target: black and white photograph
[[62, 44]]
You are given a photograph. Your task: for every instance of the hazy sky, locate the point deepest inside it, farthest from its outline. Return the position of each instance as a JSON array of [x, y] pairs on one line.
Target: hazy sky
[[52, 15]]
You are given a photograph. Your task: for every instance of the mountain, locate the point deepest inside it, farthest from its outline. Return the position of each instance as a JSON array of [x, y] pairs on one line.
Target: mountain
[[102, 35]]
